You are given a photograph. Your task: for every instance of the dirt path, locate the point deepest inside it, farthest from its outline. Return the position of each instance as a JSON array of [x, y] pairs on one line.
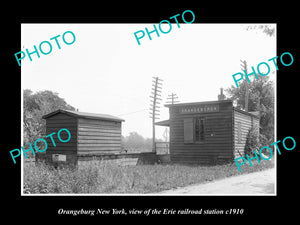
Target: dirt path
[[260, 183]]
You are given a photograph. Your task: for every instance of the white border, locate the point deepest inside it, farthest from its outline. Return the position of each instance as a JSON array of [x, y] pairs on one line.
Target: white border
[[155, 194]]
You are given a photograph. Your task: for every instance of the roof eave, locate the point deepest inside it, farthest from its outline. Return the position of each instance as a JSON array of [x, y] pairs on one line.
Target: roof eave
[[246, 113], [80, 116], [51, 114], [197, 103]]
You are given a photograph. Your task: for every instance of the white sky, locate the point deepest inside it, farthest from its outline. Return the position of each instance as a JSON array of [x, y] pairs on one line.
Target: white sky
[[106, 71]]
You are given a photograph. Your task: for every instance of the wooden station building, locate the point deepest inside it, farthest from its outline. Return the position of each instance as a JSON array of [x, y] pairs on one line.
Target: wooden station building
[[91, 134], [208, 132]]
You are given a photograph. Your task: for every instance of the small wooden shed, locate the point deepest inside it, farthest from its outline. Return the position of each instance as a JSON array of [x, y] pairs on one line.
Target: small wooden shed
[[91, 134], [208, 132]]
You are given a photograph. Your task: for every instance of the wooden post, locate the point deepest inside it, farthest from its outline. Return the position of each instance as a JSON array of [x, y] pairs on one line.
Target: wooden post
[[154, 111], [173, 98], [153, 116], [246, 97], [244, 66]]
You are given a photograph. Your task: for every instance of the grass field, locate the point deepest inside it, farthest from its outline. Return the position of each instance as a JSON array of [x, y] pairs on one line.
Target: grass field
[[106, 177]]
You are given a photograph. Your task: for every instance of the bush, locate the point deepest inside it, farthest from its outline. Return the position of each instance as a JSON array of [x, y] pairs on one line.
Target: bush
[[252, 141]]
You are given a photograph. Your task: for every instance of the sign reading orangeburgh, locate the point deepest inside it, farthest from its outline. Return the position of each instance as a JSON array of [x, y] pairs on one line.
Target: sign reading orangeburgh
[[200, 109]]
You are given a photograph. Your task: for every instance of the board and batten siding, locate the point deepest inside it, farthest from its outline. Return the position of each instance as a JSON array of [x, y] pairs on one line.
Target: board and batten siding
[[242, 125], [218, 136], [54, 124], [98, 136]]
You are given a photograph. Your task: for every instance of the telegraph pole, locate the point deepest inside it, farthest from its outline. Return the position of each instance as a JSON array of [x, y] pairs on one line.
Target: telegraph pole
[[154, 108], [172, 97], [244, 69]]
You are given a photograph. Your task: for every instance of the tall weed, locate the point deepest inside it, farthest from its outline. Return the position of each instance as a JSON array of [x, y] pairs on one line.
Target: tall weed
[[106, 177]]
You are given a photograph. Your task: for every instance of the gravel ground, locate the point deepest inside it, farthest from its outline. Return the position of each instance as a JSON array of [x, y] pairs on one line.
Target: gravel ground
[[257, 183]]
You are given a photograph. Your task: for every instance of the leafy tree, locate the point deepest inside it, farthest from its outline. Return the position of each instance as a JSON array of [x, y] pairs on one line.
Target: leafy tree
[[135, 142], [267, 29], [35, 106], [261, 99]]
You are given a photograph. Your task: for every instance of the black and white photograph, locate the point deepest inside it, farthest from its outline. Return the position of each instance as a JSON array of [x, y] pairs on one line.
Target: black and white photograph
[[158, 117], [127, 112]]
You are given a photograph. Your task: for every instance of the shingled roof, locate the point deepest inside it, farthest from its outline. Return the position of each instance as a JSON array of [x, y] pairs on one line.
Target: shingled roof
[[84, 115]]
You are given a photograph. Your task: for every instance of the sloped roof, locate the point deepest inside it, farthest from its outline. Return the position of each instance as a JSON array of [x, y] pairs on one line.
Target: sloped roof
[[253, 114], [83, 115], [165, 123]]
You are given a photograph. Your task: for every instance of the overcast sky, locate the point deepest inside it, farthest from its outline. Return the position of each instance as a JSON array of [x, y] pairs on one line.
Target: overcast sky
[[106, 71]]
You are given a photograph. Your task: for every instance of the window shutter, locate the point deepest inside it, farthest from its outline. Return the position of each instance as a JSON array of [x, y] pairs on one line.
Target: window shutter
[[188, 130]]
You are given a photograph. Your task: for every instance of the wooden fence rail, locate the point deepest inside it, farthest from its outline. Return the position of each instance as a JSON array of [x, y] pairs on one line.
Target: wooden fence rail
[[162, 148]]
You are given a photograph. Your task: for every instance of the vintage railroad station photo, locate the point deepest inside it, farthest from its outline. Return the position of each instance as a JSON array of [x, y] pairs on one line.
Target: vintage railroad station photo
[[160, 118]]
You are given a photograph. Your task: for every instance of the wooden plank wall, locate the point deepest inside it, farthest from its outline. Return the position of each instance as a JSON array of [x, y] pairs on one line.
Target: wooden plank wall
[[246, 121], [54, 124], [98, 136], [218, 141]]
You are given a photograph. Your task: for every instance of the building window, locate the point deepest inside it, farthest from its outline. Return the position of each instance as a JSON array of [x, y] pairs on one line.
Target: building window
[[194, 129], [199, 129]]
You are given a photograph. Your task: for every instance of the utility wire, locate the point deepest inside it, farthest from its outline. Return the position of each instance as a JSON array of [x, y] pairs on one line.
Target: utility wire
[[133, 112]]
